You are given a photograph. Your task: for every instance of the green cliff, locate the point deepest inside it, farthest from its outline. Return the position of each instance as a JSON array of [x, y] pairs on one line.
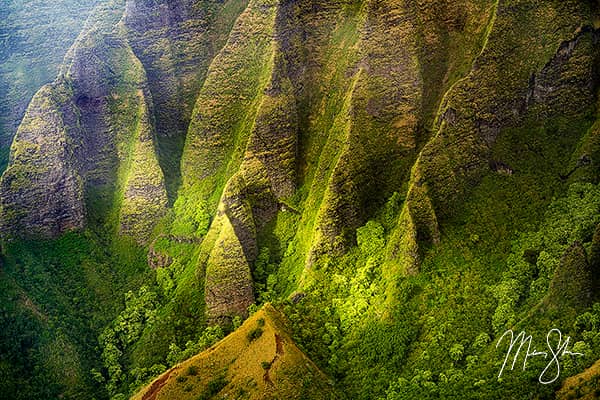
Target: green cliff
[[34, 37], [404, 181]]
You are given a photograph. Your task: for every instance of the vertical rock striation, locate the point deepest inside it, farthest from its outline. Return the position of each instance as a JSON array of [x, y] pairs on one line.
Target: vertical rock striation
[[176, 41], [34, 37], [89, 139], [296, 121], [42, 191]]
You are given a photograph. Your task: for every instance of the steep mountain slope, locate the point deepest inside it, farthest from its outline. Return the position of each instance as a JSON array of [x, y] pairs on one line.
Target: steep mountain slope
[[176, 41], [34, 36], [258, 361], [98, 123], [84, 136], [407, 180], [581, 386]]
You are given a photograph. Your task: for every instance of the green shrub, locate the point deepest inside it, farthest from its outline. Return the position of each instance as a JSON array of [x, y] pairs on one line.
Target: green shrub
[[214, 387], [207, 338], [456, 352], [192, 370], [370, 239], [254, 334], [265, 365]]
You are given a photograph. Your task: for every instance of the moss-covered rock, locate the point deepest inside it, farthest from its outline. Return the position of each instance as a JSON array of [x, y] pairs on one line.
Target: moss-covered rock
[[42, 190], [145, 196], [99, 154], [571, 285], [34, 38], [176, 42], [376, 158]]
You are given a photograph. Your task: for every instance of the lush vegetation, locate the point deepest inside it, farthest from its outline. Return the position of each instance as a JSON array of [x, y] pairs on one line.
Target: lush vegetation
[[58, 297], [390, 188]]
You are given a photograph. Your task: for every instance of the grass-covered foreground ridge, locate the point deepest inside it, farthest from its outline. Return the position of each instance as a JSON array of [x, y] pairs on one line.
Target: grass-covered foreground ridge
[[379, 189], [273, 367]]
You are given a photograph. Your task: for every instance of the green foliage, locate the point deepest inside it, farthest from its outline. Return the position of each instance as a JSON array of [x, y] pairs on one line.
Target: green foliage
[[587, 325], [391, 210], [191, 221], [370, 239], [380, 350], [236, 322], [264, 276], [360, 354], [374, 332], [214, 387], [265, 365], [252, 309], [142, 376], [444, 369], [117, 339], [482, 340], [535, 255], [164, 278], [457, 352], [207, 338], [255, 334], [65, 298]]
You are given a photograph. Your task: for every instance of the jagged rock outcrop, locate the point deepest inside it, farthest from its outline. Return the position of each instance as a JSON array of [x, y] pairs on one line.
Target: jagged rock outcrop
[[100, 141], [41, 191], [556, 79], [385, 98], [176, 41], [402, 109], [489, 100], [134, 81], [317, 109], [145, 198], [228, 284], [33, 41]]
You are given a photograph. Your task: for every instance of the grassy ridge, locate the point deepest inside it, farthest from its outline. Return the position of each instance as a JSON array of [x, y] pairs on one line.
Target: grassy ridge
[[274, 368]]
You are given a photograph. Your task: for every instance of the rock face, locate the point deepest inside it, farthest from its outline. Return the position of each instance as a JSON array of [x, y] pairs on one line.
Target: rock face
[[229, 285], [85, 137], [42, 191], [145, 196], [289, 124], [557, 80], [176, 40], [113, 122], [34, 37]]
